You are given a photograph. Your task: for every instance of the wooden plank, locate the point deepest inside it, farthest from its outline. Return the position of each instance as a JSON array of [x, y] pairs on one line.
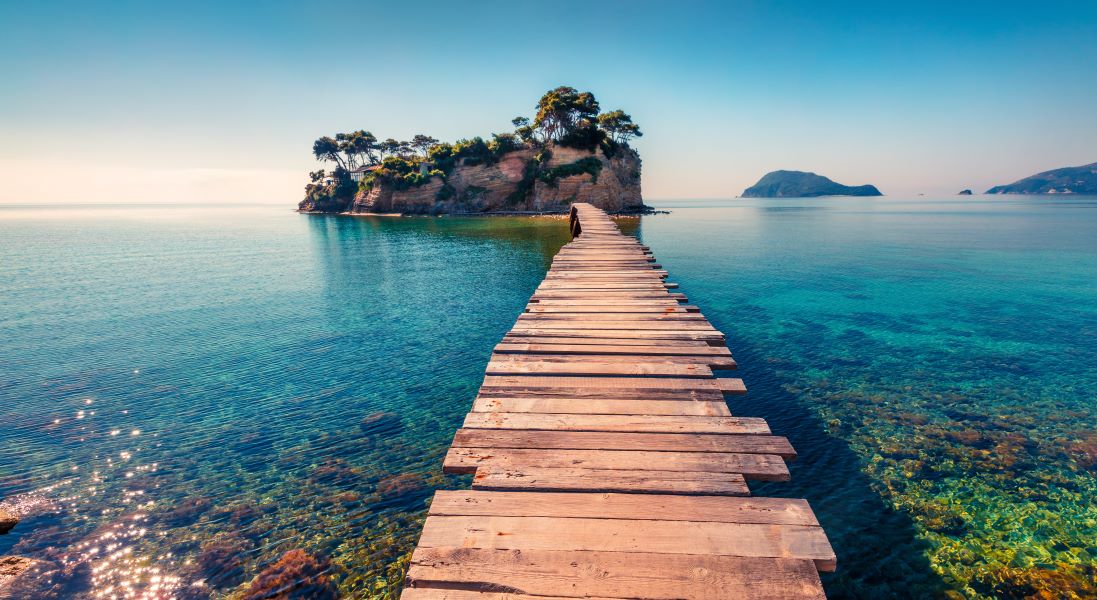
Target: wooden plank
[[543, 339], [605, 334], [586, 406], [633, 482], [580, 393], [698, 349], [637, 383], [582, 368], [620, 423], [675, 309], [781, 511], [763, 467], [659, 315], [730, 385], [436, 593], [601, 324], [623, 535], [647, 576], [711, 361], [754, 440]]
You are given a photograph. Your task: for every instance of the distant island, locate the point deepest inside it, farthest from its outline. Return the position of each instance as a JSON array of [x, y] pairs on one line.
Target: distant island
[[569, 152], [964, 193], [1068, 180], [800, 184]]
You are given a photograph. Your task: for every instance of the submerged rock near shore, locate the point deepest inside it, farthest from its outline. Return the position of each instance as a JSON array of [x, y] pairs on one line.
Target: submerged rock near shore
[[7, 521], [801, 184], [1068, 180]]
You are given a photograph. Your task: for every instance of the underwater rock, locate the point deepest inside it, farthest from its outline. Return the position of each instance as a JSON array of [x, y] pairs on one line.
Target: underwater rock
[[399, 485], [186, 512], [12, 567], [7, 521], [1084, 451], [382, 423], [334, 471], [1008, 582], [221, 560], [296, 575]]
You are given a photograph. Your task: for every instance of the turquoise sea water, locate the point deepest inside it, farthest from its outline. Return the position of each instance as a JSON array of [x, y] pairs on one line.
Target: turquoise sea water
[[191, 392]]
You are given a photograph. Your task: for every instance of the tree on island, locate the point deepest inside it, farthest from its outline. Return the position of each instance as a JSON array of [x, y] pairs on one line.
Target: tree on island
[[327, 149], [619, 126], [423, 143], [564, 110]]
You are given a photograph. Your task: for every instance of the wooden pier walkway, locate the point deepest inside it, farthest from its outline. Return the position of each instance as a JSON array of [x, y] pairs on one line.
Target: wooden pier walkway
[[606, 462]]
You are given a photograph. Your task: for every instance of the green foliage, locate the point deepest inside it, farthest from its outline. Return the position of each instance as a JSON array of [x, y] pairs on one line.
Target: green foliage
[[590, 165], [619, 126], [333, 197], [402, 172], [474, 151], [327, 149], [422, 143], [586, 138], [564, 109], [502, 143]]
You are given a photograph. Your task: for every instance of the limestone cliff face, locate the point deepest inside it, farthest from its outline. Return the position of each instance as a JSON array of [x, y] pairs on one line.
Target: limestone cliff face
[[519, 182]]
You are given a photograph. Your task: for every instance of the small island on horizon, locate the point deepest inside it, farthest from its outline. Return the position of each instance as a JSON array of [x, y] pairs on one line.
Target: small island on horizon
[[802, 184], [569, 152]]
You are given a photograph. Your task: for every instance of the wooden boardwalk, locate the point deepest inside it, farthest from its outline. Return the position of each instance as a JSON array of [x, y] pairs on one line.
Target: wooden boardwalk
[[606, 462]]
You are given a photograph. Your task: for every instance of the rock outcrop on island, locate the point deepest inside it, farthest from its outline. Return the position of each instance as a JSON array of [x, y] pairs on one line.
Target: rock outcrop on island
[[547, 180], [1068, 180], [800, 184]]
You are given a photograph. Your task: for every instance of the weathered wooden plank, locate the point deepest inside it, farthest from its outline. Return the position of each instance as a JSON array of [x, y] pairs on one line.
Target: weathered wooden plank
[[711, 361], [606, 334], [623, 535], [583, 368], [781, 511], [730, 385], [676, 309], [763, 467], [587, 480], [602, 317], [647, 576], [585, 406], [542, 339], [638, 383], [637, 325], [697, 349], [588, 394], [619, 423], [753, 440], [433, 592]]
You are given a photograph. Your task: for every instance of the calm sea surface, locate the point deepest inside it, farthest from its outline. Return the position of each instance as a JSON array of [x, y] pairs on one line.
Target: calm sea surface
[[190, 393]]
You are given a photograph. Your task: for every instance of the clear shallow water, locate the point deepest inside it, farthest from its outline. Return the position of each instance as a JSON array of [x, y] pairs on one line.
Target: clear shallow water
[[189, 393]]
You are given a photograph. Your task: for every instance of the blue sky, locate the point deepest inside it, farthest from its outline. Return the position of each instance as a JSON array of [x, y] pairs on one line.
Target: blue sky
[[221, 101]]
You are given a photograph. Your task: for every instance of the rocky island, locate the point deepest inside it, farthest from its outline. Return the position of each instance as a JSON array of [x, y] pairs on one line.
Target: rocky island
[[1068, 180], [569, 152], [800, 184]]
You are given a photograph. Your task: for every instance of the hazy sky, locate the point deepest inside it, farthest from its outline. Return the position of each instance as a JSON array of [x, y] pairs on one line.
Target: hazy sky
[[152, 101]]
